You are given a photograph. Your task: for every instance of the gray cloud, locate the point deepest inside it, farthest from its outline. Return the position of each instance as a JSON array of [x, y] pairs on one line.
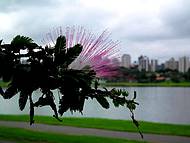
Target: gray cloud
[[13, 5], [172, 22], [157, 30], [177, 19], [34, 21]]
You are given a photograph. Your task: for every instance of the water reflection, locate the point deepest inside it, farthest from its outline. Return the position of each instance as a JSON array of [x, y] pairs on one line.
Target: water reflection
[[158, 104]]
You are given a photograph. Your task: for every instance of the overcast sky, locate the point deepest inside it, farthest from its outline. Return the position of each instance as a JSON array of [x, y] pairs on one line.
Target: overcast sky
[[155, 28]]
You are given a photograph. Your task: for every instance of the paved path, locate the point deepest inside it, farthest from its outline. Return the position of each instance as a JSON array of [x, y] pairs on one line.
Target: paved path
[[97, 132], [2, 141]]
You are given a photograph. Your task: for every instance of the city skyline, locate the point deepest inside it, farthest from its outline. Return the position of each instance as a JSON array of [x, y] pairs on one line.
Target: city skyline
[[145, 63], [160, 61]]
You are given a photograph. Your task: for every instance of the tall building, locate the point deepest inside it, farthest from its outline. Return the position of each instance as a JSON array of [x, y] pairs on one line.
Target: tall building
[[126, 61], [153, 65], [143, 63], [184, 64], [171, 64], [116, 61], [161, 66]]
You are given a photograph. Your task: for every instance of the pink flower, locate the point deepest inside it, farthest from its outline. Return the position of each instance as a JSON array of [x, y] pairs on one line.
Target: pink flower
[[97, 52]]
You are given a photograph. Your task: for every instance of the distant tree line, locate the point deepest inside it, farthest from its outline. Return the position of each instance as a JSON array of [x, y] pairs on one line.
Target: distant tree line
[[134, 75]]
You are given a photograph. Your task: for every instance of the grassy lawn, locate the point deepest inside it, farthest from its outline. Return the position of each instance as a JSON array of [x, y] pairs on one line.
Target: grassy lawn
[[27, 136], [161, 84], [108, 124]]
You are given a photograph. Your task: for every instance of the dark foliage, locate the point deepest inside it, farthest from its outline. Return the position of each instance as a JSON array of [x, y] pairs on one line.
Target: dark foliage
[[47, 69]]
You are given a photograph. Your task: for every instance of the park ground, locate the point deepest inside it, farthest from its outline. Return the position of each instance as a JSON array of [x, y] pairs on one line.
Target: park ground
[[155, 130]]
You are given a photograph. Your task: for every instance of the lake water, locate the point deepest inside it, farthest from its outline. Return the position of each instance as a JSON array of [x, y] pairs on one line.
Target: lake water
[[157, 104]]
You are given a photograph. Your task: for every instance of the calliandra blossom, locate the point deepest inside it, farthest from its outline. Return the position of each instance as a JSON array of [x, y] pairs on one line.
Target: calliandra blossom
[[98, 51]]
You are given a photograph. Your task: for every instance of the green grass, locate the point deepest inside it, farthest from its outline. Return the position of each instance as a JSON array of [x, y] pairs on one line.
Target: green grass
[[108, 124], [161, 84], [27, 136]]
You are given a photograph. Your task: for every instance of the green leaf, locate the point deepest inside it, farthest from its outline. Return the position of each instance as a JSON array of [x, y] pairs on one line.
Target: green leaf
[[23, 99], [72, 53], [22, 42], [7, 65], [103, 102], [60, 49], [60, 45], [10, 92], [125, 93], [131, 105], [116, 103], [64, 105]]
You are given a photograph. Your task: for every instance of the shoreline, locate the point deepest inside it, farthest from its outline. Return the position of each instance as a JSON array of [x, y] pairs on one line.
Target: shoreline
[[132, 84], [161, 84]]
